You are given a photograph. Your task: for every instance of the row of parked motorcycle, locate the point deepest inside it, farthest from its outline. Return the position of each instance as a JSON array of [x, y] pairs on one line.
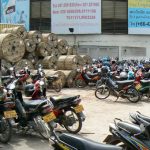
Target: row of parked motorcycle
[[126, 80], [124, 136], [25, 107]]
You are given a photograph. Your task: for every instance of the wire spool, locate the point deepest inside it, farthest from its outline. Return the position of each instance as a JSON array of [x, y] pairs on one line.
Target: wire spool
[[55, 43], [22, 63], [69, 50], [70, 77], [62, 50], [30, 45], [62, 77], [36, 36], [43, 49], [49, 62], [47, 38], [61, 63], [12, 48], [20, 31], [55, 52], [31, 57], [69, 62], [39, 62], [62, 42], [87, 59]]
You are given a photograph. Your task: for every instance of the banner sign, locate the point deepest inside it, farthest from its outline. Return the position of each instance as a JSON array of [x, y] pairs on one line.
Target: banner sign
[[15, 12], [76, 17], [139, 16]]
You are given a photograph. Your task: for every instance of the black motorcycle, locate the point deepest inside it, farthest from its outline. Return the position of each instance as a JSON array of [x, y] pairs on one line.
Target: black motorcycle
[[129, 136], [64, 141], [7, 114], [32, 114], [124, 89], [68, 112]]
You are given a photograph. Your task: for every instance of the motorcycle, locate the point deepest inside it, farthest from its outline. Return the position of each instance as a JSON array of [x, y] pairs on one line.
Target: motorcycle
[[124, 89], [68, 112], [7, 114], [81, 81], [32, 114], [134, 118], [64, 141], [129, 136], [53, 81]]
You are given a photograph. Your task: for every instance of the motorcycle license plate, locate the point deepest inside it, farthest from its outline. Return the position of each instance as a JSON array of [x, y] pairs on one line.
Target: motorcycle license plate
[[51, 116], [138, 86], [10, 114], [79, 109]]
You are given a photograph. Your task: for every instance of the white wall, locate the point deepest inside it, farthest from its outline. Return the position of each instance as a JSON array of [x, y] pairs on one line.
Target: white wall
[[131, 41]]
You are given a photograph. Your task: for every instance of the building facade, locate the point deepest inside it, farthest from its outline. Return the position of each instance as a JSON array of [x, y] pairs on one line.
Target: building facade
[[122, 30]]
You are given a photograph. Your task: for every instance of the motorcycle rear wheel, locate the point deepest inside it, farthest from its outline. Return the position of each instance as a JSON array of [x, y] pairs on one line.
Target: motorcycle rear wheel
[[80, 83], [70, 119], [134, 95], [102, 92], [6, 131]]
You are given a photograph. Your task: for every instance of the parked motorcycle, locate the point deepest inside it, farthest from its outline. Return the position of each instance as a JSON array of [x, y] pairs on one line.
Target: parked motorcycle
[[7, 114], [50, 82], [68, 112], [64, 141], [32, 114], [81, 80], [124, 89], [129, 136]]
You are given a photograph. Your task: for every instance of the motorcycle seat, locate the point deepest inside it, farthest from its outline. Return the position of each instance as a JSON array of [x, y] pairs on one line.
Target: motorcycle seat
[[145, 81], [146, 118], [125, 82], [131, 128], [62, 99], [81, 143], [33, 103]]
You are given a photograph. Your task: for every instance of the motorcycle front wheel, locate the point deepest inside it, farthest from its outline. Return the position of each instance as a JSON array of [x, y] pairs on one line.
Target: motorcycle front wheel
[[5, 130], [134, 95], [72, 121], [102, 92], [117, 142], [42, 127]]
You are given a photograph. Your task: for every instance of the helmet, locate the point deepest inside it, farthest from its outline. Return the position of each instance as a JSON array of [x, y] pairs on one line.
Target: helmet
[[123, 75], [104, 70]]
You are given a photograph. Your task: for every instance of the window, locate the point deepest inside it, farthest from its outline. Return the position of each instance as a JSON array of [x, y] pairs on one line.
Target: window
[[115, 16], [40, 15]]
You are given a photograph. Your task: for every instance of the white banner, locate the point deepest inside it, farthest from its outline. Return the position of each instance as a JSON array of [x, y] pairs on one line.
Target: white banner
[[76, 17]]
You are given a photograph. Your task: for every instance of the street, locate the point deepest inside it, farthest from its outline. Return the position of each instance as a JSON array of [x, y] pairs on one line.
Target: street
[[99, 113]]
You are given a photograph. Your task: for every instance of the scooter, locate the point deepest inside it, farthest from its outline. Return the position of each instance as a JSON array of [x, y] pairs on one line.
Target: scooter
[[129, 136], [64, 141]]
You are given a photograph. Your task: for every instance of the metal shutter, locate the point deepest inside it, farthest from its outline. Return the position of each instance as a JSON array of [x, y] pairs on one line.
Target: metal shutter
[[35, 9], [46, 9]]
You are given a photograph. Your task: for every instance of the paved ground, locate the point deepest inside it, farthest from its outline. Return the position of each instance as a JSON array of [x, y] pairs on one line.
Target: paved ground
[[98, 116]]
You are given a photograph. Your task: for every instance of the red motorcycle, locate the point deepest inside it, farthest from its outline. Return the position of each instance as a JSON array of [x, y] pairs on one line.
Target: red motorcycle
[[83, 79]]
